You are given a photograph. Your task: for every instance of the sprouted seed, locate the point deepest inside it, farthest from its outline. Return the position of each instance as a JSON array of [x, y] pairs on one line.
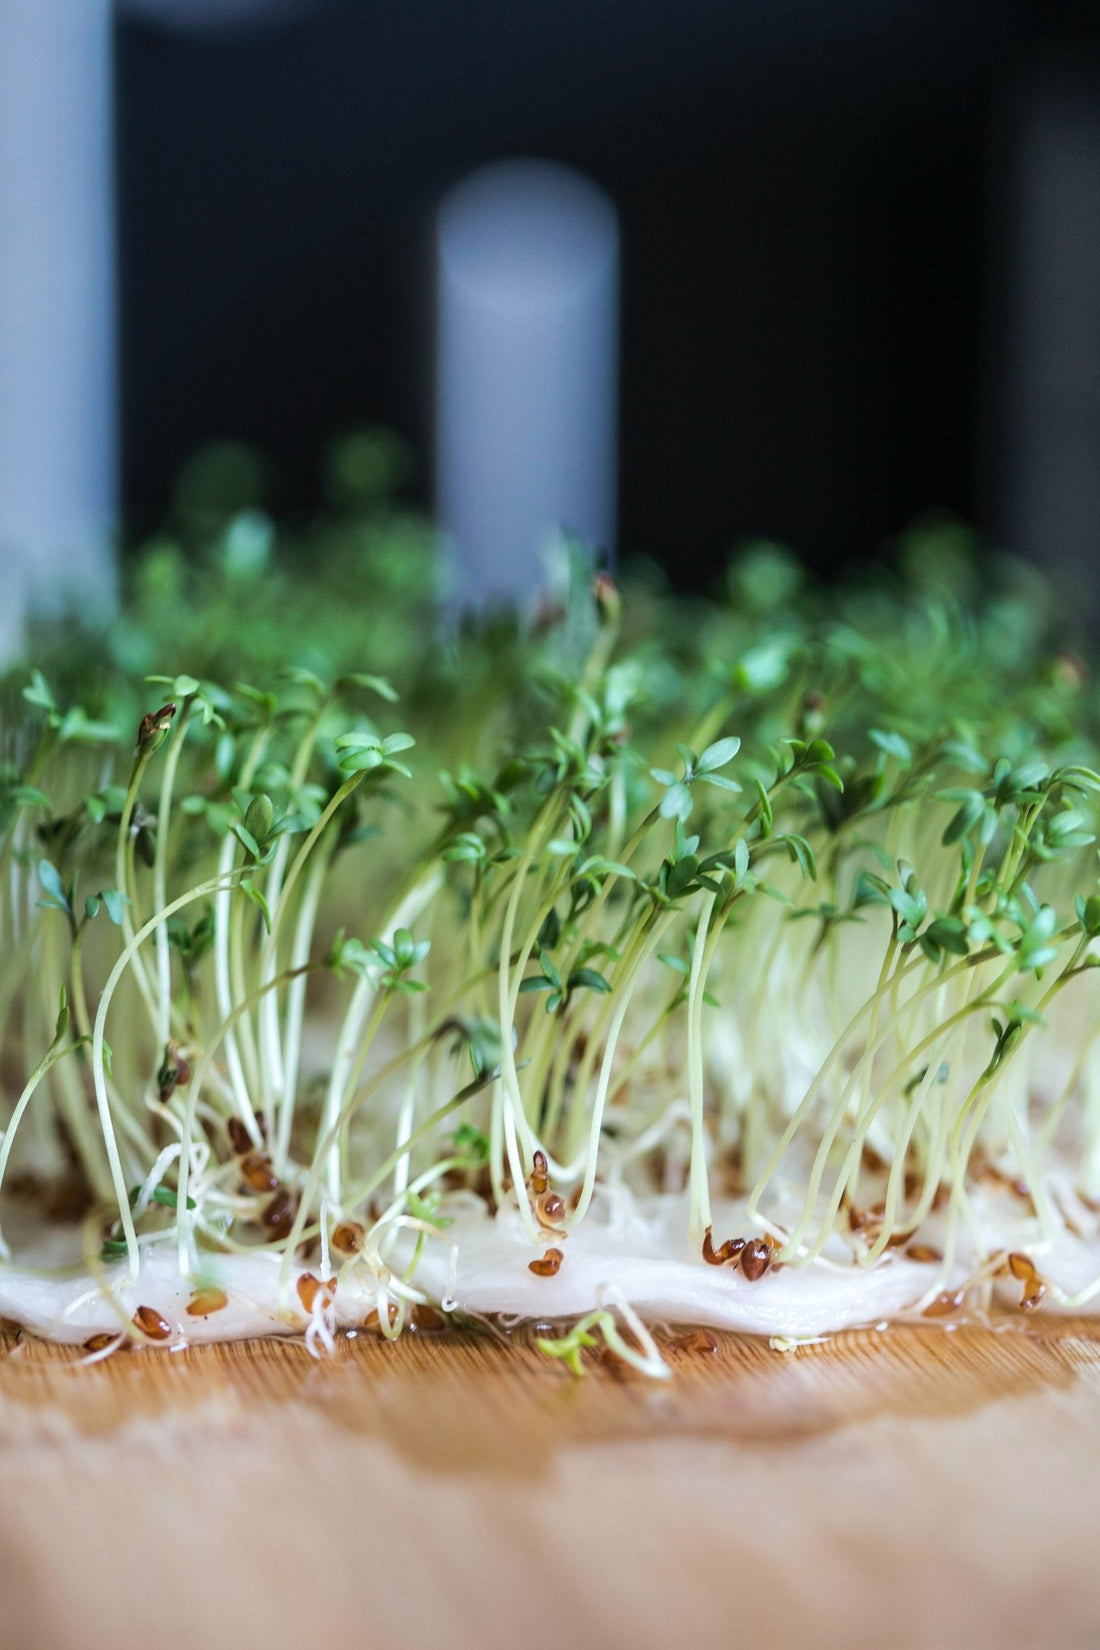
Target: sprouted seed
[[946, 1304], [756, 1257], [425, 1320], [313, 1293], [239, 1137], [257, 1172], [730, 1250], [693, 1341], [773, 915], [1023, 1268], [100, 1342], [348, 1238], [278, 1215], [207, 1300], [548, 1265], [148, 1321]]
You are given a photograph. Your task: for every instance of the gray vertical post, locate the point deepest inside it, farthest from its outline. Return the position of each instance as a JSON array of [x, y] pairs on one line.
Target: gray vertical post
[[526, 372], [1047, 378], [57, 400]]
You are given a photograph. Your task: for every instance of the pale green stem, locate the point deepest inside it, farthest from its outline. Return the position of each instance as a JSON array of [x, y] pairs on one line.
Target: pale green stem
[[596, 1124], [99, 1075], [160, 877]]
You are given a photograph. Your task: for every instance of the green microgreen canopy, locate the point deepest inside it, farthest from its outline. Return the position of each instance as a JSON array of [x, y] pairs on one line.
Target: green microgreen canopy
[[774, 886]]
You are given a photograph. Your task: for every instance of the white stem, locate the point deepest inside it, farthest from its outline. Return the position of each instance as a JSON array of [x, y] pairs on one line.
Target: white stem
[[295, 1011], [160, 882], [351, 1031], [224, 993], [596, 1123], [99, 1075], [700, 1190]]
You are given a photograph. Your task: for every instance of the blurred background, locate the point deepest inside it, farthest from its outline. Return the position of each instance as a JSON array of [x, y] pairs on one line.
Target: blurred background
[[840, 265]]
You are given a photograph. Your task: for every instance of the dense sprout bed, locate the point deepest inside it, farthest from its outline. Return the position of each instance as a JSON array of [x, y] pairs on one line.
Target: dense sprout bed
[[719, 962]]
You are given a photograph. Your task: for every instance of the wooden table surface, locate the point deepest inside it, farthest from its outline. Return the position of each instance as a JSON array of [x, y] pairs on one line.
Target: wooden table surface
[[912, 1487]]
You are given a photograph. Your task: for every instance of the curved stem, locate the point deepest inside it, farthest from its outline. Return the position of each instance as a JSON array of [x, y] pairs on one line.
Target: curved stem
[[99, 1076]]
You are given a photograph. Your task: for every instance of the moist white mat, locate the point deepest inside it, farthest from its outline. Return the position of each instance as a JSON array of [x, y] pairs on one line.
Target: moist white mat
[[480, 1265]]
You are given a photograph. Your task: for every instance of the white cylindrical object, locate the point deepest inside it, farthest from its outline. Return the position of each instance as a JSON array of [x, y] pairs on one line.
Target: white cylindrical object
[[13, 610], [526, 372], [57, 398]]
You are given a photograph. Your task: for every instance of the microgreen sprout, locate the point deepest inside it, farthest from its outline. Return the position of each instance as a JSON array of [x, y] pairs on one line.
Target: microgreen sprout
[[774, 918]]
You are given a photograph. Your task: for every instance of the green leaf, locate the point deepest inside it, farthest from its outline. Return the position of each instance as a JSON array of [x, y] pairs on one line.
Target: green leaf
[[964, 755], [28, 796], [39, 693], [676, 803], [245, 838], [681, 876], [78, 728], [112, 903], [359, 739], [50, 879], [252, 893], [568, 1348], [829, 776], [763, 802], [892, 743], [1069, 829], [763, 667], [471, 1142], [347, 952], [1034, 950], [373, 684], [912, 908], [182, 687], [362, 761], [1077, 777], [169, 1199], [949, 934], [801, 853], [305, 679], [968, 815], [718, 755], [259, 817], [466, 849], [589, 979], [426, 1209]]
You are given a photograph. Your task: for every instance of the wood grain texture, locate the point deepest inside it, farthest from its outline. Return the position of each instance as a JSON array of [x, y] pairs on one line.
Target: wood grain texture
[[908, 1488]]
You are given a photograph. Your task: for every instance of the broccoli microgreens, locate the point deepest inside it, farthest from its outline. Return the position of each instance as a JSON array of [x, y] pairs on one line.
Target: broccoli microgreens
[[805, 876]]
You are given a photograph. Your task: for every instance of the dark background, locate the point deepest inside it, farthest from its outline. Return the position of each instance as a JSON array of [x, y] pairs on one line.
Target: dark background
[[808, 199]]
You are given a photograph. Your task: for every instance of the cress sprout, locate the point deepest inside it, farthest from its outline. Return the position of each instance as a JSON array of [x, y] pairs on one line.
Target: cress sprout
[[784, 904]]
